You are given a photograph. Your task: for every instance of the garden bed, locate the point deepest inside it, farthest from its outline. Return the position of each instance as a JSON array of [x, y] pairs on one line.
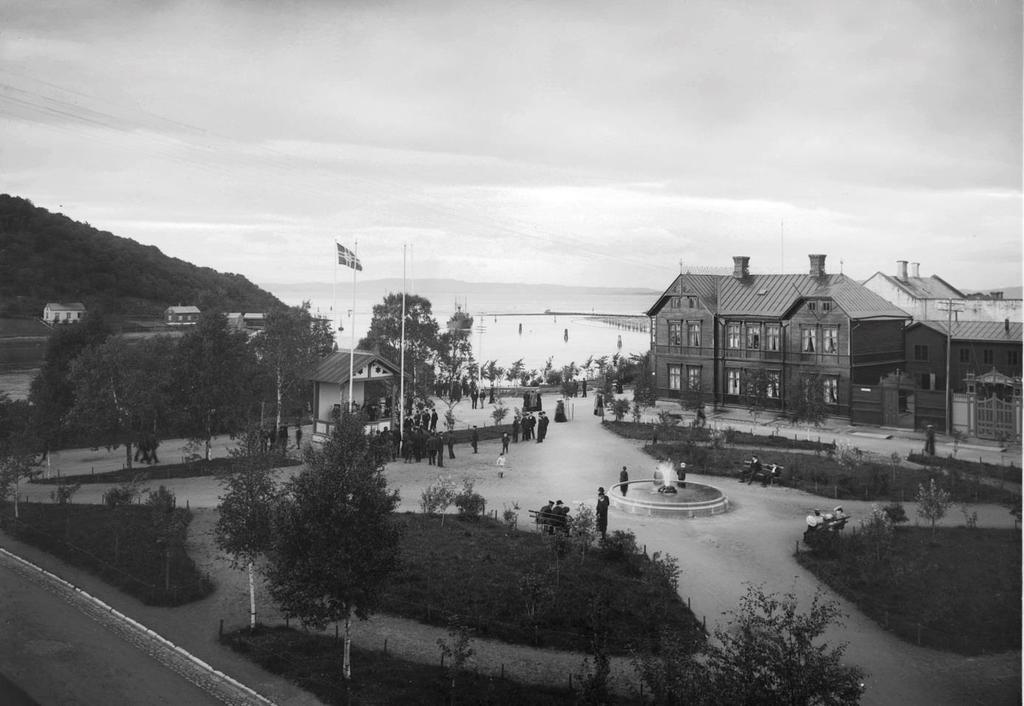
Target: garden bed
[[192, 469], [313, 662], [958, 591], [122, 545], [703, 435], [512, 585], [1002, 472]]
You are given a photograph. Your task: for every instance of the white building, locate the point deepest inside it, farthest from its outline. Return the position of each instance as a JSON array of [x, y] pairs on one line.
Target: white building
[[57, 313]]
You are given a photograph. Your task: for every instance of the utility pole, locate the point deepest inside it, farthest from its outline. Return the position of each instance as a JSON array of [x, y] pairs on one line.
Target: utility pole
[[950, 307]]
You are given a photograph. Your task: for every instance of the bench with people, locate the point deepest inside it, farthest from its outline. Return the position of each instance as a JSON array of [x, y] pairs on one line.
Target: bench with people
[[820, 525], [553, 517]]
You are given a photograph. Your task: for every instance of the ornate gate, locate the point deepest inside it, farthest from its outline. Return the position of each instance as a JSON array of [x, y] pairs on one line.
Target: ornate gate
[[995, 419]]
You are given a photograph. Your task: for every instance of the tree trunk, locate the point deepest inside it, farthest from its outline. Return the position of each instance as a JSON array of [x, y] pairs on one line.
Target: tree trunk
[[280, 394], [16, 515], [252, 599], [128, 454], [346, 663]]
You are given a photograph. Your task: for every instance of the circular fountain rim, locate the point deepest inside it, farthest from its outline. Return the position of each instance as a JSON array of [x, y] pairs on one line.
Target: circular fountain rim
[[652, 507]]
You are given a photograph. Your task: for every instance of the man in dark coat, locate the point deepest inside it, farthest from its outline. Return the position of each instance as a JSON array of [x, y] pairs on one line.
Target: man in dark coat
[[516, 422], [431, 444], [542, 428], [583, 385], [602, 512], [504, 442], [433, 420], [474, 438], [624, 479], [449, 441]]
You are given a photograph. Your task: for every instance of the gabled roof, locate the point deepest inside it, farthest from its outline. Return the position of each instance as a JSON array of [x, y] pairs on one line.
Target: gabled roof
[[334, 368], [933, 287], [774, 295], [703, 286], [977, 330], [71, 306], [182, 310]]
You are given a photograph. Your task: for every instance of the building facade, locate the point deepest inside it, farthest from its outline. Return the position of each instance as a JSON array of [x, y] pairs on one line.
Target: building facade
[[56, 313], [931, 298], [711, 335], [181, 315]]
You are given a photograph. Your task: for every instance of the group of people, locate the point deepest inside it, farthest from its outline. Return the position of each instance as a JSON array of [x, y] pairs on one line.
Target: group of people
[[554, 517], [834, 520], [422, 442], [530, 427]]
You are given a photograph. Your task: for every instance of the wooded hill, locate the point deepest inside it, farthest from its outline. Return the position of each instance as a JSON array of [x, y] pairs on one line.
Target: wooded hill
[[47, 257]]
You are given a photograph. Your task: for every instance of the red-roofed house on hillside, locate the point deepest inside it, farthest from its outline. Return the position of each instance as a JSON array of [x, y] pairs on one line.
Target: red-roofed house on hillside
[[374, 383], [710, 332]]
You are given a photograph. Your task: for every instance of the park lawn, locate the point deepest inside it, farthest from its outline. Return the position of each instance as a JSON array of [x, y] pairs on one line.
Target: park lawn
[[313, 662], [958, 591], [163, 471], [489, 577], [122, 545]]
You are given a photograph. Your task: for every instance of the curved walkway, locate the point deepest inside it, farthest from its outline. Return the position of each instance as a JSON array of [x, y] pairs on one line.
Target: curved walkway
[[718, 555]]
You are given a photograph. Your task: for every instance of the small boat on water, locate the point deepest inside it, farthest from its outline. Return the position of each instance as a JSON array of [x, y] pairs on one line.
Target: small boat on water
[[460, 322]]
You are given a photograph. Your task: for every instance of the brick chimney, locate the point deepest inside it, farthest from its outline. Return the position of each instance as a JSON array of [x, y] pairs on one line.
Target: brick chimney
[[901, 269], [915, 269], [740, 266], [817, 265]]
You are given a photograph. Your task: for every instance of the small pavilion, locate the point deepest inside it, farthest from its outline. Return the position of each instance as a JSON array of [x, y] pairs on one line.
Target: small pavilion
[[374, 382]]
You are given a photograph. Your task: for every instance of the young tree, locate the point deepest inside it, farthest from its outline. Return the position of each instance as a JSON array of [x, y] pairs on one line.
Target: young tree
[[243, 527], [421, 338], [454, 355], [644, 393], [17, 460], [806, 400], [122, 390], [515, 372], [215, 371], [289, 345], [772, 654], [932, 502], [754, 388], [335, 543]]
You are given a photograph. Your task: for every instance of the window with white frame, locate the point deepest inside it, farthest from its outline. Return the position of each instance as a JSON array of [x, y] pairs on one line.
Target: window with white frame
[[693, 378], [772, 337], [693, 334], [732, 335], [754, 336], [732, 381], [830, 387], [808, 340], [675, 377], [773, 384], [675, 333], [830, 339]]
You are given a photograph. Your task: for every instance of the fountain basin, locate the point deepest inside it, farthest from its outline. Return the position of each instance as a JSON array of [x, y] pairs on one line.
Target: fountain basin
[[693, 500]]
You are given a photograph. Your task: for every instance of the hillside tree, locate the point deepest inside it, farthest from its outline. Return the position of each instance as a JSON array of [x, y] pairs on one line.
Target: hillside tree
[[335, 540]]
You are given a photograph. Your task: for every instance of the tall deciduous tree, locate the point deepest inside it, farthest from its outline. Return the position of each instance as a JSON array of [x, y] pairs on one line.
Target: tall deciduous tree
[[806, 400], [287, 349], [335, 541], [52, 393], [453, 360], [122, 390], [244, 528], [215, 369], [421, 338]]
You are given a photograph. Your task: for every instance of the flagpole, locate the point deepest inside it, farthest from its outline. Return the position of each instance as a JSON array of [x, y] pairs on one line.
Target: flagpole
[[352, 323], [401, 385], [334, 295]]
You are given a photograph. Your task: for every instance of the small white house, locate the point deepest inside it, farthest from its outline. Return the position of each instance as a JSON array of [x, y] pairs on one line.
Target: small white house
[[373, 380], [57, 313], [181, 315]]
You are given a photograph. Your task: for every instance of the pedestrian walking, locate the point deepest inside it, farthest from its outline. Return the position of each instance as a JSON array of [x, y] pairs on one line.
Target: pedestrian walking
[[929, 441], [504, 443], [474, 438], [602, 512], [624, 481]]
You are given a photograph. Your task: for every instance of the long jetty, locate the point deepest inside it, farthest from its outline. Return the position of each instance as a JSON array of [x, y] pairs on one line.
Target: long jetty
[[630, 322]]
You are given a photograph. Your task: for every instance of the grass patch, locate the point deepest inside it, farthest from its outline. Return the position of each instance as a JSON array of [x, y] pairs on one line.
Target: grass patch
[[122, 545], [515, 586], [958, 591], [823, 473], [191, 469], [313, 662], [969, 469], [703, 435]]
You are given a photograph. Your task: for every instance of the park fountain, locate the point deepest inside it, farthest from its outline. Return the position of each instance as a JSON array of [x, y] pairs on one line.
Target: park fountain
[[667, 495]]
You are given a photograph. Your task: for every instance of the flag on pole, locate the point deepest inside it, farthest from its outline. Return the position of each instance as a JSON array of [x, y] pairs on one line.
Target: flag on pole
[[348, 258]]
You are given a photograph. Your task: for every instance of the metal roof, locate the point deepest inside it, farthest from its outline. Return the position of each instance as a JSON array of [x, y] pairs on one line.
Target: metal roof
[[933, 287], [182, 310], [977, 330], [334, 368], [71, 306], [774, 295]]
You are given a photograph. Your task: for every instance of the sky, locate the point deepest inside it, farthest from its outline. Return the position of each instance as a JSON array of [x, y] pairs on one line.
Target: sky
[[567, 142]]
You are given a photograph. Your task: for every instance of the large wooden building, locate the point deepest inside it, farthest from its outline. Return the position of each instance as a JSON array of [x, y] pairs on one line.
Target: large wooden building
[[711, 332]]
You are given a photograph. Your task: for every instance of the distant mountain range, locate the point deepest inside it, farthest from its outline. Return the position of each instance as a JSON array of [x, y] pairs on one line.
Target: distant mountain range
[[47, 257]]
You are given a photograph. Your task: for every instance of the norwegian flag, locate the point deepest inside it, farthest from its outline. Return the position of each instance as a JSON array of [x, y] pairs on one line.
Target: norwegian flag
[[348, 258]]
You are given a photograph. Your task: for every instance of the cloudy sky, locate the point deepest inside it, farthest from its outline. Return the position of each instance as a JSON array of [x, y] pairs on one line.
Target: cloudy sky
[[575, 142]]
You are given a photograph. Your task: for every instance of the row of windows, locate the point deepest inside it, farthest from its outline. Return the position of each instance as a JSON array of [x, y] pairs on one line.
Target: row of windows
[[988, 356], [813, 339], [734, 382]]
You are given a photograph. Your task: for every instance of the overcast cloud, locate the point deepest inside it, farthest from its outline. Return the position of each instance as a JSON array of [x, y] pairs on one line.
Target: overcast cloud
[[570, 142]]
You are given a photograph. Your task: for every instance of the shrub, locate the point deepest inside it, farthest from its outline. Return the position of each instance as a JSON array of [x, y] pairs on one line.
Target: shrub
[[161, 499], [124, 494], [510, 515], [63, 493], [471, 504], [437, 498], [896, 513], [619, 545]]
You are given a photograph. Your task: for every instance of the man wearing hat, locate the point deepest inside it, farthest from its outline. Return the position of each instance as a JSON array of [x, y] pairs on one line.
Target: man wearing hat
[[602, 512]]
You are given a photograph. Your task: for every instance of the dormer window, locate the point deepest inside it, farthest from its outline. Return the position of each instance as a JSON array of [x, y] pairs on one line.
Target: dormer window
[[826, 306], [691, 302], [812, 306]]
